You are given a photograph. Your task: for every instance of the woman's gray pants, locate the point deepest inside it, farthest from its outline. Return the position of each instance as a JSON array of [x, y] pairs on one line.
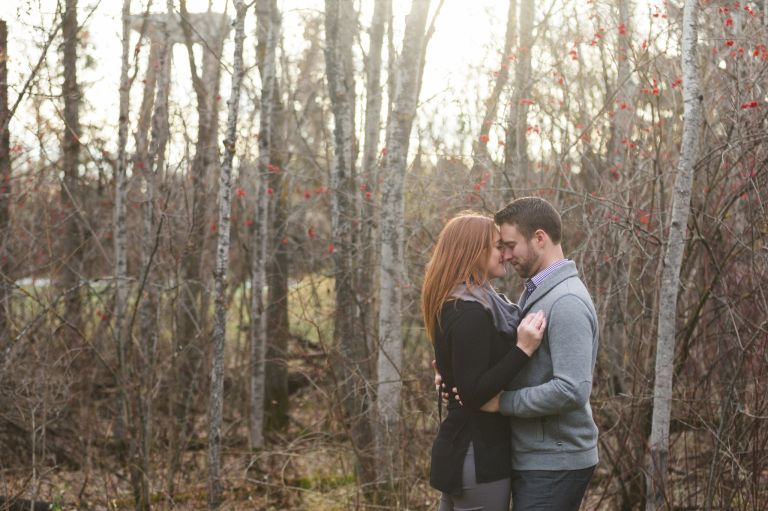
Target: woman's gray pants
[[493, 496]]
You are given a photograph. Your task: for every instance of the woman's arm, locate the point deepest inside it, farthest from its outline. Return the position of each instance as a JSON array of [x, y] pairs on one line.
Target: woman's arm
[[477, 378]]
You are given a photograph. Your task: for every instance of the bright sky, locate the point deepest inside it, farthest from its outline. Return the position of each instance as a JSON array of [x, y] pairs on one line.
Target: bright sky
[[462, 53]]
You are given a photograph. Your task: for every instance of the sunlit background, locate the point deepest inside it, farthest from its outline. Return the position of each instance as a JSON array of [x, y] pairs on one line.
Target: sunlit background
[[463, 57]]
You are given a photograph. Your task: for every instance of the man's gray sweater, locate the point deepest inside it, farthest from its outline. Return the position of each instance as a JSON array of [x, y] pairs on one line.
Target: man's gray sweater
[[548, 401]]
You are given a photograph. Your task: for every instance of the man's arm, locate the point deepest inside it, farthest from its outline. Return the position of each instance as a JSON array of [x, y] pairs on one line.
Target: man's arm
[[571, 335]]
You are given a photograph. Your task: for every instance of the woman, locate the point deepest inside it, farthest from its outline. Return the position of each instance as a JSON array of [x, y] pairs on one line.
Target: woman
[[480, 345]]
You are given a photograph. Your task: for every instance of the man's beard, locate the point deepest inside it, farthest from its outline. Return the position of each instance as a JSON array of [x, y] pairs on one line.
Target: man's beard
[[525, 268]]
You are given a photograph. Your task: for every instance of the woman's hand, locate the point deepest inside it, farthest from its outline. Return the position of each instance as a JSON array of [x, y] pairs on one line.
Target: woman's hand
[[530, 332]]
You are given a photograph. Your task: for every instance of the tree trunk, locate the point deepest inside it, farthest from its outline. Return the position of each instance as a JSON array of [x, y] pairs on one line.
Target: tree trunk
[[149, 299], [258, 327], [618, 158], [481, 157], [353, 357], [517, 163], [120, 218], [216, 405], [71, 239], [268, 31], [271, 157], [392, 247], [370, 178], [6, 284], [191, 315], [125, 420], [621, 122], [657, 472]]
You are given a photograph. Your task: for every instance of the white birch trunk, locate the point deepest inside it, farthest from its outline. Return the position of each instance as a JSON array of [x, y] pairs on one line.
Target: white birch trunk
[[618, 267], [657, 473], [392, 233], [517, 163], [370, 175], [5, 194], [216, 404], [120, 219]]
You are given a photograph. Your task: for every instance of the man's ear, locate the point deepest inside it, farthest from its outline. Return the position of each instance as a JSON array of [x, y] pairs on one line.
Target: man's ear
[[541, 237]]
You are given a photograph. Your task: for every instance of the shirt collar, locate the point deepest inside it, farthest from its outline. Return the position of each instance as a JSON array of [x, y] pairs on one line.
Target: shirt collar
[[532, 283]]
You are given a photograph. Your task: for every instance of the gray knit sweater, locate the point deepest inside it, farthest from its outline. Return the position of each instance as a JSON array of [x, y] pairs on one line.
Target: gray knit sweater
[[548, 401]]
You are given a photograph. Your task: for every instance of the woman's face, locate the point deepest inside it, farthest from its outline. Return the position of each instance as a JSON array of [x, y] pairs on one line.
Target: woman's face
[[495, 265]]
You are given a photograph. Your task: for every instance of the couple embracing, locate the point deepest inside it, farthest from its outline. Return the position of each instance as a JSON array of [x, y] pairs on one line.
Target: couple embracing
[[516, 377]]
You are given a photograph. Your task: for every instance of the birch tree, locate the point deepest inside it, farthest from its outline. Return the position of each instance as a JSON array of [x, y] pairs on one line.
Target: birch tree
[[209, 30], [5, 190], [392, 277], [353, 355], [70, 148], [658, 460], [517, 162], [120, 215], [216, 405], [370, 176], [619, 158]]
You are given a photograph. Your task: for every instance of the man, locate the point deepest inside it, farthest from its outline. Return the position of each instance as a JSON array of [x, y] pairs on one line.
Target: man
[[554, 437]]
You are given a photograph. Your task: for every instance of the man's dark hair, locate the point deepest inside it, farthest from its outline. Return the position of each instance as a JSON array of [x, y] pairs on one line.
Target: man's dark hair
[[530, 214]]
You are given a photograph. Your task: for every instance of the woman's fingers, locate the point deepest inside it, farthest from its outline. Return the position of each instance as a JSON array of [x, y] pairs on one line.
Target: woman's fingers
[[535, 320]]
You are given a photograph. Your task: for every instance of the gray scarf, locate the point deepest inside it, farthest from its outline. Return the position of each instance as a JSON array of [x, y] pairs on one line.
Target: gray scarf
[[506, 315]]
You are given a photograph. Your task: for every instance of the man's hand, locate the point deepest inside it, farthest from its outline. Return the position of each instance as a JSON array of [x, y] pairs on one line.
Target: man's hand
[[492, 406], [440, 386]]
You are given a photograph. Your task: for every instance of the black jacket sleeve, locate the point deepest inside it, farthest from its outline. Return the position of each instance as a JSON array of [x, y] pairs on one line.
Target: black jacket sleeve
[[477, 377]]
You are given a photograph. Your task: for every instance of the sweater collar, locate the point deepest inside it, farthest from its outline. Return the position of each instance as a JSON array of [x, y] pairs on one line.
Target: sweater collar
[[562, 272]]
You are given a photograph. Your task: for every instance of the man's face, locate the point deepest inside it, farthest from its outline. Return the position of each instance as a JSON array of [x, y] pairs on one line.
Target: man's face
[[519, 252]]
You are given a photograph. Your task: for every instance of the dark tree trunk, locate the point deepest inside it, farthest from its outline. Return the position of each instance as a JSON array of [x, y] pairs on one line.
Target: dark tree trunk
[[272, 157], [70, 145]]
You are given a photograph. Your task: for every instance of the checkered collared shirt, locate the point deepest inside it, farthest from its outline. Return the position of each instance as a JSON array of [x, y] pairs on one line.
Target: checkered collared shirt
[[534, 282]]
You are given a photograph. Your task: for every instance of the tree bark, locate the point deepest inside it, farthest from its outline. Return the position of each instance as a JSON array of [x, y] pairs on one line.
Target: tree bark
[[482, 161], [392, 275], [517, 163], [6, 284], [191, 315], [353, 357], [258, 313], [71, 239], [658, 462], [618, 158], [370, 178], [271, 157], [216, 405], [120, 216]]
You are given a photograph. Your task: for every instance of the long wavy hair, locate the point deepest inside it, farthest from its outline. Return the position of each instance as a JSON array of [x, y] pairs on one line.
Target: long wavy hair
[[460, 255]]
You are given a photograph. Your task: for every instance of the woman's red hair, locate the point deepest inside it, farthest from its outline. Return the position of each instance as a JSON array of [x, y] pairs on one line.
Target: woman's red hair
[[460, 255]]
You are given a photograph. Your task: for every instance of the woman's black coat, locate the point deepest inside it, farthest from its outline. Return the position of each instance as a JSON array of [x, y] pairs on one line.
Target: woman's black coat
[[479, 361]]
